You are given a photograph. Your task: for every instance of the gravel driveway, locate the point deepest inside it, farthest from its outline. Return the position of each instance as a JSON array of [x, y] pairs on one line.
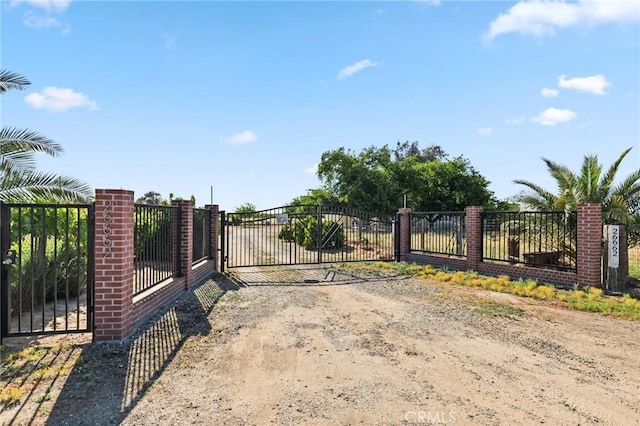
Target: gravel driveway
[[314, 346]]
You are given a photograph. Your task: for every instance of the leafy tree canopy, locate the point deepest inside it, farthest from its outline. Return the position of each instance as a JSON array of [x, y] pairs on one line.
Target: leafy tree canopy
[[245, 208], [154, 198], [377, 179]]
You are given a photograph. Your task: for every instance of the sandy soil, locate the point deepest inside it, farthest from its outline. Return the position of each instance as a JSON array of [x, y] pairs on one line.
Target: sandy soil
[[315, 346]]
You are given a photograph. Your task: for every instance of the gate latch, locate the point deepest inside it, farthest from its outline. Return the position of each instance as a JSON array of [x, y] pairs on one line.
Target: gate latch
[[10, 259]]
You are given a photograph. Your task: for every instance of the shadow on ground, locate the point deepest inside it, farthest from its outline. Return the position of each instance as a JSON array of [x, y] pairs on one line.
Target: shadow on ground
[[301, 275], [108, 380]]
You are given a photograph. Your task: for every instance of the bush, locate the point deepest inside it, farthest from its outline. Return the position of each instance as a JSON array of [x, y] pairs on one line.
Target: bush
[[305, 233]]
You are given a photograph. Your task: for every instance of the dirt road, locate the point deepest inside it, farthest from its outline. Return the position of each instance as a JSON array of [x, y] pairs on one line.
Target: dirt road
[[314, 346]]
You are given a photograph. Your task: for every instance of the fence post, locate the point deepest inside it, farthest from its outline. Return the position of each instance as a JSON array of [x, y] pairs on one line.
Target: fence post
[[185, 239], [473, 218], [405, 233], [589, 253], [214, 217], [615, 258], [113, 260]]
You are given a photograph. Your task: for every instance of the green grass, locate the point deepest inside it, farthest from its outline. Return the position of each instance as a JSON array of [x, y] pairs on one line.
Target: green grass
[[589, 299]]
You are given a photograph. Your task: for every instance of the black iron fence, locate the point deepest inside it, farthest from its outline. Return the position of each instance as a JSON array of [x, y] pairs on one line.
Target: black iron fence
[[201, 234], [47, 268], [438, 233], [544, 239], [155, 232]]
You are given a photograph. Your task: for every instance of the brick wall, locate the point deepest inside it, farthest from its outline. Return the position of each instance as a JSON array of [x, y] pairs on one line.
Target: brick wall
[[117, 311], [113, 280]]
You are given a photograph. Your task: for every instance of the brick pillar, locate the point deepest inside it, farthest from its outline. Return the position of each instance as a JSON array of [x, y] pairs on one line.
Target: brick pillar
[[113, 319], [214, 217], [405, 233], [473, 226], [589, 253], [185, 243]]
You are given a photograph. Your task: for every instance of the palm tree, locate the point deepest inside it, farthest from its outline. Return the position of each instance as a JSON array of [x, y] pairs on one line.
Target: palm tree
[[19, 179], [620, 202]]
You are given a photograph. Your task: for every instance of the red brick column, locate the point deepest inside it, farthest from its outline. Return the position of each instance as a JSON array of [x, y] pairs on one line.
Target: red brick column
[[113, 319], [589, 253], [405, 233], [214, 216], [185, 244], [473, 226]]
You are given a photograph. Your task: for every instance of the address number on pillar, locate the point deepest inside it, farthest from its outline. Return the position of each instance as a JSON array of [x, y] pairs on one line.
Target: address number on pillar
[[106, 228], [614, 245]]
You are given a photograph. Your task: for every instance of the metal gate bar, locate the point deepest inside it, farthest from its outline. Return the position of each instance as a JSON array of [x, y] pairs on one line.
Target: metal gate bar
[[305, 234], [47, 268]]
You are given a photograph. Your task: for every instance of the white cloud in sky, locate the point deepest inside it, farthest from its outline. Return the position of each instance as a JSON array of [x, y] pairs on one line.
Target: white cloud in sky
[[49, 5], [594, 84], [312, 170], [36, 22], [59, 99], [485, 131], [540, 18], [354, 68], [429, 2], [549, 93], [514, 121], [244, 137], [553, 116]]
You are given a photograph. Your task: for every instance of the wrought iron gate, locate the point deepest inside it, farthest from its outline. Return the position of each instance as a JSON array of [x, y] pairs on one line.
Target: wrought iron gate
[[47, 268], [305, 235]]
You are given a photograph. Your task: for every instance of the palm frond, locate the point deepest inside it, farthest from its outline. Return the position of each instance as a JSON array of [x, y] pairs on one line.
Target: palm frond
[[607, 179], [587, 189], [29, 186], [11, 80]]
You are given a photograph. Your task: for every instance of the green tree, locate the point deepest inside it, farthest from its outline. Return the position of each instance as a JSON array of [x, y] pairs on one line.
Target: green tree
[[245, 208], [376, 179], [316, 196], [620, 202], [152, 197], [19, 179]]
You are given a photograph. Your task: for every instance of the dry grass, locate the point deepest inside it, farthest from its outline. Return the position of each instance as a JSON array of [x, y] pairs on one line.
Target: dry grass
[[584, 299]]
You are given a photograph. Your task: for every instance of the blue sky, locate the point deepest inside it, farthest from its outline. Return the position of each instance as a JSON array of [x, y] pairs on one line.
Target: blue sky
[[177, 97]]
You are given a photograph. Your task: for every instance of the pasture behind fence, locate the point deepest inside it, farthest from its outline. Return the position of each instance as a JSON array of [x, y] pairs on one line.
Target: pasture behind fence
[[155, 233], [543, 239], [439, 233]]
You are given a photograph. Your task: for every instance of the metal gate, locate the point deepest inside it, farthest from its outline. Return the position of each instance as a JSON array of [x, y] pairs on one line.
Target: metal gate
[[306, 234], [46, 277]]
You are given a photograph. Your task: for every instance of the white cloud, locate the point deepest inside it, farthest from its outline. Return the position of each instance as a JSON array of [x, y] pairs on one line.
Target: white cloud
[[33, 21], [49, 5], [553, 116], [540, 18], [514, 121], [243, 137], [312, 170], [354, 68], [594, 84], [485, 131], [59, 99], [429, 2], [549, 93]]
